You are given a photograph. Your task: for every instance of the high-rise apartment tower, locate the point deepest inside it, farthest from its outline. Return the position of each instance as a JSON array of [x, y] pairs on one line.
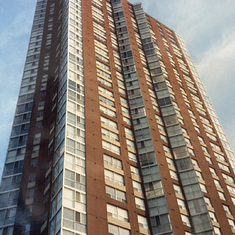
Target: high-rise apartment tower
[[113, 131]]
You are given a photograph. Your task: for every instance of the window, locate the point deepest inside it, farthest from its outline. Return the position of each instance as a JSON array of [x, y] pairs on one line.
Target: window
[[191, 151], [232, 224], [164, 101], [117, 213], [231, 189], [105, 92], [208, 201], [130, 143], [220, 157], [106, 101], [154, 188], [111, 147], [112, 161], [199, 175], [105, 82], [204, 149], [228, 178], [115, 194], [137, 186], [132, 156], [181, 204], [101, 45], [108, 122], [214, 146], [129, 133], [142, 222], [212, 170], [115, 230], [185, 220], [170, 162], [103, 66], [197, 129], [177, 189], [208, 159], [201, 140], [37, 137], [223, 167], [221, 195], [73, 217], [217, 183], [113, 176], [107, 111], [203, 188], [126, 120], [195, 163], [167, 150], [34, 162], [135, 171], [233, 200], [217, 231], [32, 177], [110, 134], [73, 179], [227, 210], [30, 193], [103, 73], [212, 216], [173, 175], [139, 203]]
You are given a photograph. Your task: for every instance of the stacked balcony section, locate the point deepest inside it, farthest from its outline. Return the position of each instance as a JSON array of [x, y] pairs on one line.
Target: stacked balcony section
[[156, 200], [68, 200], [193, 195]]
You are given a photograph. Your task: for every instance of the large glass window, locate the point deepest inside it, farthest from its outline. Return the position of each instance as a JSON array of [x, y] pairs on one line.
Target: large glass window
[[117, 212], [115, 230], [112, 161], [142, 222], [113, 176], [111, 147], [109, 134], [115, 194]]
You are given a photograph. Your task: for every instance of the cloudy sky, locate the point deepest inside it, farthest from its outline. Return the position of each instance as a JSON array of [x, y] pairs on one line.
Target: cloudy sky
[[207, 26]]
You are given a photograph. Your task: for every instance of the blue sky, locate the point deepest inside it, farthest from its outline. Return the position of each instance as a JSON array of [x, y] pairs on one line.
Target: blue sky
[[207, 27]]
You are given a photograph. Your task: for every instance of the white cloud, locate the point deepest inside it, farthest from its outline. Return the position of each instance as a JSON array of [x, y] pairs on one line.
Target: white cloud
[[216, 69], [217, 64], [231, 133]]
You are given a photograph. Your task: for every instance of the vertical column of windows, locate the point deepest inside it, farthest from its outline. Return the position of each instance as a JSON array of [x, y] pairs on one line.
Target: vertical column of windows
[[39, 118], [151, 187], [217, 151], [206, 99], [114, 174], [139, 197], [199, 107], [16, 149], [208, 128], [113, 168], [58, 158], [138, 113], [171, 114], [74, 189]]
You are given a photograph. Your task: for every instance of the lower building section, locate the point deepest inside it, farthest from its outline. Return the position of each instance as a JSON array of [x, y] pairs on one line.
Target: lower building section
[[113, 131]]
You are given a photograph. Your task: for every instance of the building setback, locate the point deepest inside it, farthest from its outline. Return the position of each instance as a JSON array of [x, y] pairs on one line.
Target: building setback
[[113, 131]]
